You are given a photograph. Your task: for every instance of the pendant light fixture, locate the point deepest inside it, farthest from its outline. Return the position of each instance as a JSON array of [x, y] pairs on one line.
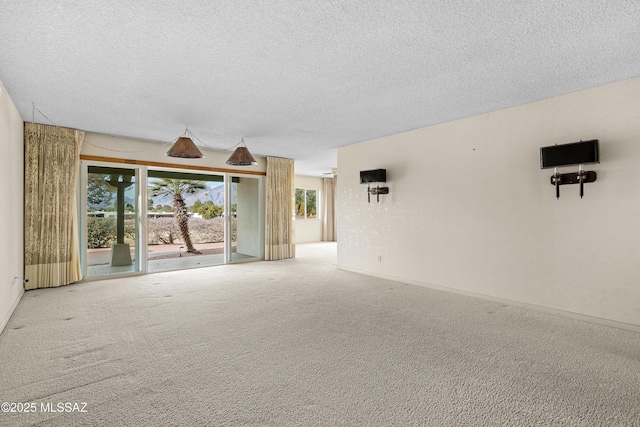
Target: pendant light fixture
[[184, 147], [242, 156]]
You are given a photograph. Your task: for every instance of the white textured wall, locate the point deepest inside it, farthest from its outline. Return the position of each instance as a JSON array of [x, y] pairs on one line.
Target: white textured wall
[[470, 209], [309, 230], [11, 194]]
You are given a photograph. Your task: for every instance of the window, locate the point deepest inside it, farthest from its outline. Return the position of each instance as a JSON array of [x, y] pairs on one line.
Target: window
[[306, 204]]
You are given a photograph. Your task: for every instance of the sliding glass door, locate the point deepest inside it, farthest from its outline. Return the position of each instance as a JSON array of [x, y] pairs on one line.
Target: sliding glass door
[[141, 220], [111, 221], [185, 220], [244, 218]]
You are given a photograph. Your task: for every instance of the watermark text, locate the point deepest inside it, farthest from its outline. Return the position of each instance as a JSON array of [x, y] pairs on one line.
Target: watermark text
[[49, 407]]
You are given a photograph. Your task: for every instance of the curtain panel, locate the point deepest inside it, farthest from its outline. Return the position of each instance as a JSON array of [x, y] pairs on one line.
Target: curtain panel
[[279, 233], [329, 210], [51, 238]]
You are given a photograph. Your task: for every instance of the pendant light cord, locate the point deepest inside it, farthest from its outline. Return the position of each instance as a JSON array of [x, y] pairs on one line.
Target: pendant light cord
[[33, 114]]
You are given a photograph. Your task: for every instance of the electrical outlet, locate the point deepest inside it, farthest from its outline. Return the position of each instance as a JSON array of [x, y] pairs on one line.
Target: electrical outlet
[[379, 258]]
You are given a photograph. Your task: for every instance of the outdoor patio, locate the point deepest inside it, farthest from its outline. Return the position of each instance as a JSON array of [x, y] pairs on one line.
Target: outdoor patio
[[160, 258]]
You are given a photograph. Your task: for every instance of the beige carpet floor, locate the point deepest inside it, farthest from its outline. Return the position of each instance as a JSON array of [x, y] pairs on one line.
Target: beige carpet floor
[[301, 343]]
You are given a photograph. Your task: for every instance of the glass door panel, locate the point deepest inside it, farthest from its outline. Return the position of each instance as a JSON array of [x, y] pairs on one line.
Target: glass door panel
[[112, 221], [245, 242], [185, 223]]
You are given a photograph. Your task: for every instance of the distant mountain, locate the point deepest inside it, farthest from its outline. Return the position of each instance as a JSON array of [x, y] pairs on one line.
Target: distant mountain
[[214, 194]]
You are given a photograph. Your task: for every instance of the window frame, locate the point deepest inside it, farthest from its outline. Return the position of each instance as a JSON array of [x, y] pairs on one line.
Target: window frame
[[305, 215]]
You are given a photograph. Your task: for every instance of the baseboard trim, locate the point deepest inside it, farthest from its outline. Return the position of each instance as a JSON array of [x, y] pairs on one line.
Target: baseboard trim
[[540, 308], [11, 310]]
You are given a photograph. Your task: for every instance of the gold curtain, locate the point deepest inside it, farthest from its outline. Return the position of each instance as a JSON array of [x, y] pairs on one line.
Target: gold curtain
[[279, 236], [51, 249], [329, 210]]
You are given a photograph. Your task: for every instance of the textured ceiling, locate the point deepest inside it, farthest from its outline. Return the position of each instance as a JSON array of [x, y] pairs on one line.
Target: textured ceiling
[[300, 78]]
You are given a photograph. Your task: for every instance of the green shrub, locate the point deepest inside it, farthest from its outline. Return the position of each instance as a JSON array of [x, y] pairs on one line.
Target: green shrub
[[101, 232]]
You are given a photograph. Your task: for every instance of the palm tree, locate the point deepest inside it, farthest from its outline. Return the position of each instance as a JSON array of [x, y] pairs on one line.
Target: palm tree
[[176, 188]]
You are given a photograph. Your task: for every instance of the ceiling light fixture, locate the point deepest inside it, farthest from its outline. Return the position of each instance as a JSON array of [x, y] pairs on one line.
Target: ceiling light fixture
[[184, 147], [242, 156]]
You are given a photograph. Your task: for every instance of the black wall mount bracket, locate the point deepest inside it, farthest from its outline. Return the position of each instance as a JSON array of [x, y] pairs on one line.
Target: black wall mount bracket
[[574, 153], [376, 191], [374, 176], [572, 178], [580, 177]]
